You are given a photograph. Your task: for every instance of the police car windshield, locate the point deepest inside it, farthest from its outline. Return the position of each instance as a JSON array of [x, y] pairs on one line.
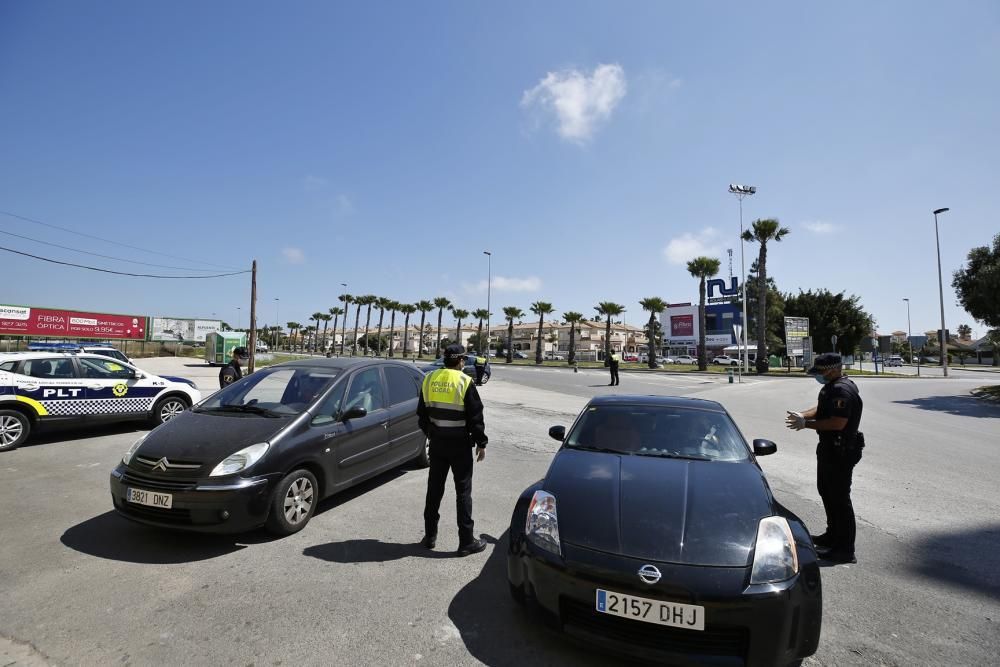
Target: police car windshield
[[661, 431], [272, 392]]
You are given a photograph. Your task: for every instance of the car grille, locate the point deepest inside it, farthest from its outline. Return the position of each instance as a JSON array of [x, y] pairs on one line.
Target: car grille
[[710, 641], [131, 478], [169, 465], [177, 516]]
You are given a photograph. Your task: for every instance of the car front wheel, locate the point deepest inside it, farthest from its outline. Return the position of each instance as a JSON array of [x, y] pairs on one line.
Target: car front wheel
[[14, 429], [423, 458], [167, 408], [293, 503]]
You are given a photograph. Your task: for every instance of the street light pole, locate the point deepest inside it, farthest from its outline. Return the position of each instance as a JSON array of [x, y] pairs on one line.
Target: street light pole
[[343, 327], [742, 191], [941, 337], [239, 318], [909, 333], [489, 287]]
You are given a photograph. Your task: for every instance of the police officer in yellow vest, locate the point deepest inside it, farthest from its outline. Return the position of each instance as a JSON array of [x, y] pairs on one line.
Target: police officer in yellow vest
[[612, 363], [451, 416], [480, 369]]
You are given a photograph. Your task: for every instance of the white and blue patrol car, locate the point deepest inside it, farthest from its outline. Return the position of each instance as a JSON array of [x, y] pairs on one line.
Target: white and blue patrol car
[[39, 389]]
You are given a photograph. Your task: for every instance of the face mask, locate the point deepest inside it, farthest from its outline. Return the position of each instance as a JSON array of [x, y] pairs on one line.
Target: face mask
[[821, 379]]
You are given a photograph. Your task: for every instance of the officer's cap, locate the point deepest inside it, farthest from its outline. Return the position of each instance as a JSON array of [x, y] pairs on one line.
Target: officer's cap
[[454, 351], [824, 362], [240, 352]]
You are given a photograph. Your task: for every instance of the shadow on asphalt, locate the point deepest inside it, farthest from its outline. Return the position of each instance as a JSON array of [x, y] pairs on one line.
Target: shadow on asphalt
[[82, 433], [371, 551], [963, 406], [497, 631], [361, 489], [968, 560], [115, 538]]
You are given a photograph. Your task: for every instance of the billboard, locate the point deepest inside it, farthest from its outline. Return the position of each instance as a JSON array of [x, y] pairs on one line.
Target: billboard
[[681, 326], [796, 329], [31, 321], [681, 323], [182, 329]]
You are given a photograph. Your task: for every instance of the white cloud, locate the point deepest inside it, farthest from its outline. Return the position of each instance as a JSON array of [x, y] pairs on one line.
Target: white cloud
[[578, 101], [314, 183], [503, 284], [294, 255], [819, 227], [687, 246]]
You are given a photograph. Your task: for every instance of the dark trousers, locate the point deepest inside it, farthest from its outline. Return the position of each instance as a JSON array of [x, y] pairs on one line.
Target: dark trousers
[[457, 457], [614, 373], [479, 374], [834, 468]]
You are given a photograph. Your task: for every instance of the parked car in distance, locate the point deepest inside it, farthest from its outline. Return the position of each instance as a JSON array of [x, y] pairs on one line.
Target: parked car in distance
[[725, 360], [555, 356], [659, 359], [269, 447], [894, 360], [630, 356], [469, 368], [685, 359], [655, 534]]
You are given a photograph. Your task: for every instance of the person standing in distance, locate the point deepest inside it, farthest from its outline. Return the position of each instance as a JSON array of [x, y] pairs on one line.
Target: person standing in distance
[[450, 414], [232, 372], [480, 368], [836, 417], [612, 363]]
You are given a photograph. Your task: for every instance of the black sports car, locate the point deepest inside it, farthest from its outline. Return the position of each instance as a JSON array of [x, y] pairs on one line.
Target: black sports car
[[266, 449], [655, 534]]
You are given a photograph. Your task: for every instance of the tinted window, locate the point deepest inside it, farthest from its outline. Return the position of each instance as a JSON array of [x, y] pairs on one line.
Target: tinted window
[[659, 431], [365, 391], [329, 409], [104, 369], [281, 391], [8, 366], [49, 368], [115, 354], [402, 385]]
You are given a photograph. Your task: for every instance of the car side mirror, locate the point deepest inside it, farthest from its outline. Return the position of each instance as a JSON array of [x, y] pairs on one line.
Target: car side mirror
[[763, 447], [138, 376], [558, 433], [356, 412]]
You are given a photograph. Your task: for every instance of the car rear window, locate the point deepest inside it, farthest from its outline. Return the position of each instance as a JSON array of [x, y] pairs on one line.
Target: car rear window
[[653, 430]]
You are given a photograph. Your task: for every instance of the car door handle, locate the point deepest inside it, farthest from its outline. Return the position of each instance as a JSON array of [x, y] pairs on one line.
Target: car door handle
[[96, 386], [385, 425]]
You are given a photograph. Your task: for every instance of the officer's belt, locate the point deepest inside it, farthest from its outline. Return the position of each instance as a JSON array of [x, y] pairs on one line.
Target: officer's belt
[[447, 423]]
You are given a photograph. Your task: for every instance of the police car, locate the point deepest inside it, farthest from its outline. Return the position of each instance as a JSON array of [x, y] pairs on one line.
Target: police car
[[40, 389]]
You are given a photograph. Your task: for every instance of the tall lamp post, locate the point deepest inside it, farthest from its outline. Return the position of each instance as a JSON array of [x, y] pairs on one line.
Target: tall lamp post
[[489, 287], [742, 191], [909, 334], [239, 318], [941, 336], [277, 323], [343, 327]]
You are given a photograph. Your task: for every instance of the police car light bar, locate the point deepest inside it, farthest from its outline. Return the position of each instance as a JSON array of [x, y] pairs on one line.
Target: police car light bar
[[53, 347]]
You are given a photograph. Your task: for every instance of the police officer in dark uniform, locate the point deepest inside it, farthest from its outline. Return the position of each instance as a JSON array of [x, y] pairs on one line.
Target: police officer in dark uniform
[[450, 414], [480, 368], [612, 363], [836, 417], [232, 372]]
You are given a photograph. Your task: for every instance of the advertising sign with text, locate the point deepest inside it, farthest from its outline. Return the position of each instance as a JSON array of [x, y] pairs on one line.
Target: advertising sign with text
[[31, 321]]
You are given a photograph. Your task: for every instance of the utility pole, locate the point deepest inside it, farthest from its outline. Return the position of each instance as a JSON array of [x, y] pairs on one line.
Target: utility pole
[[253, 316]]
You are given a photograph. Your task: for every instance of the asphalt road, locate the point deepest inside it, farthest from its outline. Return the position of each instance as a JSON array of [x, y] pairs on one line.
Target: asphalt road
[[81, 586]]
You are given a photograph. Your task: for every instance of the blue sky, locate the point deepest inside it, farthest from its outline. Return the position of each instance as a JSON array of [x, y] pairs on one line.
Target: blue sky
[[587, 145]]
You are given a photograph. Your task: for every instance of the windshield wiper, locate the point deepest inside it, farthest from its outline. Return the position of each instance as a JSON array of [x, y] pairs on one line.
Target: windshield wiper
[[606, 450], [252, 409], [674, 455]]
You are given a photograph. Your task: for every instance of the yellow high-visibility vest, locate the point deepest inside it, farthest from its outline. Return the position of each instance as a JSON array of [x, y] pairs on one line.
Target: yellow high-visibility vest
[[444, 396]]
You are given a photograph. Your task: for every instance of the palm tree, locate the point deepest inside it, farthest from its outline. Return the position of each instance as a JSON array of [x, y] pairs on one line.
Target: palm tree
[[407, 309], [292, 328], [346, 298], [573, 318], [511, 313], [307, 337], [763, 231], [540, 308], [336, 312], [702, 268], [382, 304], [609, 309], [357, 320], [655, 305], [460, 314], [368, 300], [316, 317], [325, 317], [481, 314], [392, 307], [424, 307], [440, 303]]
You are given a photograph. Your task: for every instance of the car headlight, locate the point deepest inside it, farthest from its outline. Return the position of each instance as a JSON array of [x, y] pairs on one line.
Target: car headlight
[[133, 448], [241, 460], [542, 524], [775, 557]]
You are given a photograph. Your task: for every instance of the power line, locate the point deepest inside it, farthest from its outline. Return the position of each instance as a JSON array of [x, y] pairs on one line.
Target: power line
[[95, 254], [119, 273], [124, 245]]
